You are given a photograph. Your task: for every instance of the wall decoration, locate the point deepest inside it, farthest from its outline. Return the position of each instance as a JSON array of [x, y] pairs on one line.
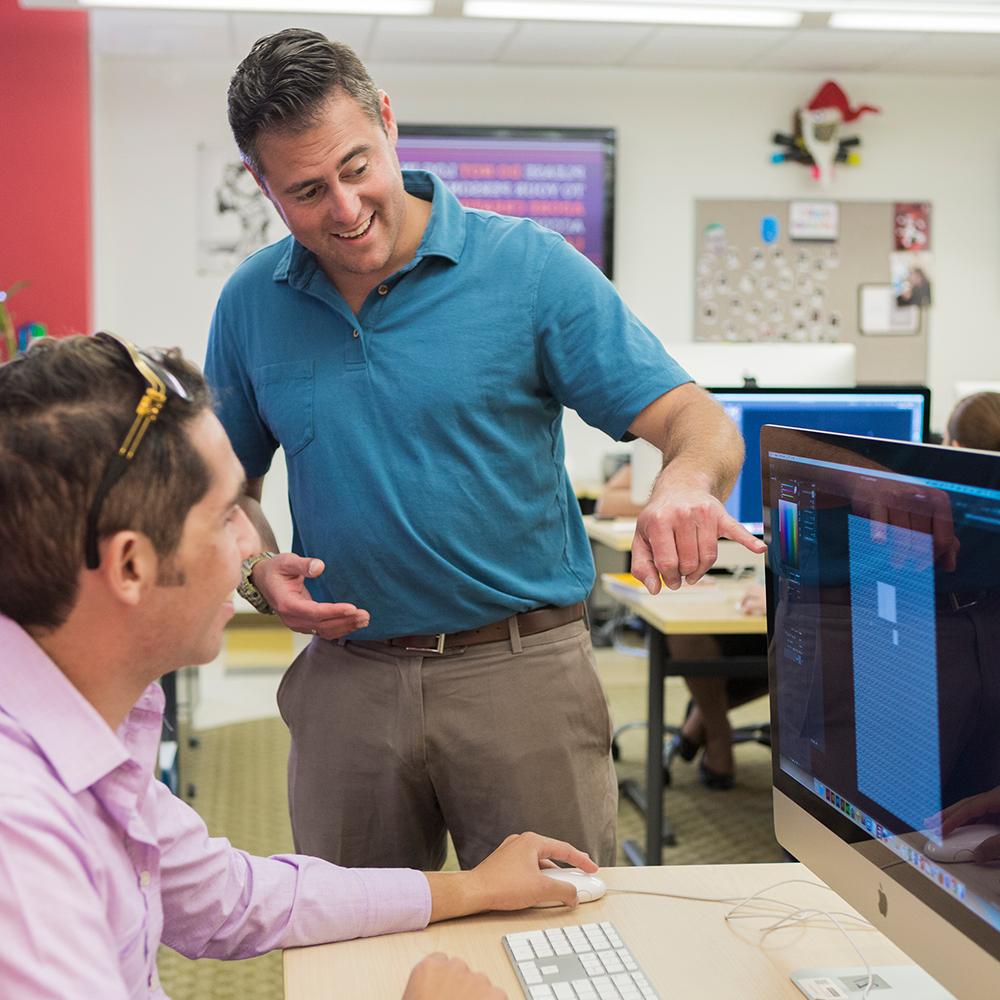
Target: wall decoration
[[911, 278], [912, 225], [234, 217], [813, 220], [880, 315], [816, 140]]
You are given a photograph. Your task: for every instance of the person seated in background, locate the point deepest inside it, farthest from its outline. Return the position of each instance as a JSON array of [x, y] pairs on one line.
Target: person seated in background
[[975, 422], [706, 723], [120, 547]]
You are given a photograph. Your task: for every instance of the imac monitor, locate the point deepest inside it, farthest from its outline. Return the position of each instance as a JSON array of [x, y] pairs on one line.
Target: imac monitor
[[883, 606], [898, 412], [563, 178]]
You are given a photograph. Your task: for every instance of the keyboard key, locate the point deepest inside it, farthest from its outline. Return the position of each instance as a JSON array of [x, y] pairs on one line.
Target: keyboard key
[[610, 970], [530, 972]]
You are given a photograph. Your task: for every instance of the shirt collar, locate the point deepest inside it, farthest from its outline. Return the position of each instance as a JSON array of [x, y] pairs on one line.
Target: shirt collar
[[443, 237], [78, 744]]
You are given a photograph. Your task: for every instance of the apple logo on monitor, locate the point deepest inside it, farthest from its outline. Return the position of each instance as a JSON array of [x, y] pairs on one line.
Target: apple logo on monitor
[[883, 902]]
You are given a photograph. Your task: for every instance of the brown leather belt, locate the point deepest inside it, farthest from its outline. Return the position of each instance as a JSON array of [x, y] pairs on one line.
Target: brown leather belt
[[528, 623]]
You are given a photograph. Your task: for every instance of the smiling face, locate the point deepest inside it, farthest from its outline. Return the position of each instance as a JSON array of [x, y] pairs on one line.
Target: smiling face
[[338, 186], [190, 610]]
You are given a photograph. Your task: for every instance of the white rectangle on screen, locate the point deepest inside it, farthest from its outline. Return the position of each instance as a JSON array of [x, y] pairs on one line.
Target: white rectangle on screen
[[886, 601]]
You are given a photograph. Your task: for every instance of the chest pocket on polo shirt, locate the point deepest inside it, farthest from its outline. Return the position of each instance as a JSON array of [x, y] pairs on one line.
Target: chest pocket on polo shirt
[[285, 398]]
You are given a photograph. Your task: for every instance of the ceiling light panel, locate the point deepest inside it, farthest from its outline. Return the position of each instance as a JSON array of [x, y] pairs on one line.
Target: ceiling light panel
[[852, 20], [641, 13]]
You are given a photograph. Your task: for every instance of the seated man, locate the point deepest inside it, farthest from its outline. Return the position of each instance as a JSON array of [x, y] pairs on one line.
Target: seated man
[[118, 566]]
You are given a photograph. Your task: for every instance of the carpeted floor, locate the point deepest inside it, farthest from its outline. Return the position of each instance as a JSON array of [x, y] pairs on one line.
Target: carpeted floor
[[239, 775]]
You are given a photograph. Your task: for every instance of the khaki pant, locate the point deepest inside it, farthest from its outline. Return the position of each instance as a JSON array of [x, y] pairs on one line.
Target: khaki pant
[[390, 749]]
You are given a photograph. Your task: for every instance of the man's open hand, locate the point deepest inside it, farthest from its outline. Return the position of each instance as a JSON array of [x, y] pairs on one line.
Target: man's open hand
[[281, 579]]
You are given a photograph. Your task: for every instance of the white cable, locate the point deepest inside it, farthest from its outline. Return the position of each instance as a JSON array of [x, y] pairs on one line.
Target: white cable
[[793, 915]]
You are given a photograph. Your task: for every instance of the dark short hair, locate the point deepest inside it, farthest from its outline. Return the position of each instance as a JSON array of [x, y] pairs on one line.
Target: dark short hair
[[284, 82], [65, 406], [975, 421]]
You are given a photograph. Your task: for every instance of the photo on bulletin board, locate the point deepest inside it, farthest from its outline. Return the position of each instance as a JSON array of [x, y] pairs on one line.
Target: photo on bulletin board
[[879, 314], [911, 278]]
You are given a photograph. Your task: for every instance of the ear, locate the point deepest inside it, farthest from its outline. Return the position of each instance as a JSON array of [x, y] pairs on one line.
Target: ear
[[129, 566], [388, 118]]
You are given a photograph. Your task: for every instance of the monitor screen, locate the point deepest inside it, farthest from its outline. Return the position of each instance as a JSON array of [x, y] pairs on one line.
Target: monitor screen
[[883, 587], [900, 413], [563, 178]]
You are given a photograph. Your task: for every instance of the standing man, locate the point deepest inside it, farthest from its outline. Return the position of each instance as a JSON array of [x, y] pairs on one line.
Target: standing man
[[412, 358], [120, 546]]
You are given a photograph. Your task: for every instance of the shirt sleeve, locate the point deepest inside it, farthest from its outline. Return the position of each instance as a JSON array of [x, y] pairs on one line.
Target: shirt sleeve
[[55, 937], [598, 358], [219, 902], [226, 371]]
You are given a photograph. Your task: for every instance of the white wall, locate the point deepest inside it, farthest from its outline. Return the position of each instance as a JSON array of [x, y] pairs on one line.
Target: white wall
[[682, 135]]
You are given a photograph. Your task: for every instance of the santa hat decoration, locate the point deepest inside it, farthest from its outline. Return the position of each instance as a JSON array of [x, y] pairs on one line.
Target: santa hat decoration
[[830, 96]]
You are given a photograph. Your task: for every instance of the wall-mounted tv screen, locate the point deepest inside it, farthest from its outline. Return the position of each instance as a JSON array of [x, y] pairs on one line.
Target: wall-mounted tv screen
[[563, 178]]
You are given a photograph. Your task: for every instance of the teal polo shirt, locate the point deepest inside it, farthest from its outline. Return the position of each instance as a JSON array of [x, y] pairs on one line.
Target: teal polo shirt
[[423, 436]]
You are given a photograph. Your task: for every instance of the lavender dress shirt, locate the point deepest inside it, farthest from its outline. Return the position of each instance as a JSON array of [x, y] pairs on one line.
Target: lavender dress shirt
[[99, 863]]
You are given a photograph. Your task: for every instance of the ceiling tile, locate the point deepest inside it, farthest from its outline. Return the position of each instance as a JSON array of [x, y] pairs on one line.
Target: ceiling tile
[[353, 31], [589, 44], [827, 51], [159, 33], [708, 48], [438, 39], [972, 55]]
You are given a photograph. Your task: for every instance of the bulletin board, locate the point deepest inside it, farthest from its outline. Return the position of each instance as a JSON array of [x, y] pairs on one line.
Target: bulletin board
[[807, 271]]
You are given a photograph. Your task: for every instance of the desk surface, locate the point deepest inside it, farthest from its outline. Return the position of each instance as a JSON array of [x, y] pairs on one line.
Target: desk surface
[[710, 607], [616, 533], [686, 948]]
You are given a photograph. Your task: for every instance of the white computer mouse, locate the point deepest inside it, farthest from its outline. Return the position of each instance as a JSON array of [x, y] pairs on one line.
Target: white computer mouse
[[588, 887], [961, 844]]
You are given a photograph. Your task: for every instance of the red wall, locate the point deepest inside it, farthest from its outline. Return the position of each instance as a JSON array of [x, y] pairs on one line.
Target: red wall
[[45, 166]]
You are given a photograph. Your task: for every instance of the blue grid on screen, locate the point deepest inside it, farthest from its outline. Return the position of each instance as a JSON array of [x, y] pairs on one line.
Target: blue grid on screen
[[895, 669]]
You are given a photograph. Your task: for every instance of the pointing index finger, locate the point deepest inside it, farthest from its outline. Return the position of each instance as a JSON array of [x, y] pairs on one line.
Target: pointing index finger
[[730, 528]]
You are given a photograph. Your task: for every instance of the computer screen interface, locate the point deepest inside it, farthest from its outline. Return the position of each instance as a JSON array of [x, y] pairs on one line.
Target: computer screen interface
[[884, 642], [897, 414]]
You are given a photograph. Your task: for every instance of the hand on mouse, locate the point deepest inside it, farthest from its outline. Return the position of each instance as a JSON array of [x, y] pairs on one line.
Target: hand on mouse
[[966, 810], [509, 879], [439, 977]]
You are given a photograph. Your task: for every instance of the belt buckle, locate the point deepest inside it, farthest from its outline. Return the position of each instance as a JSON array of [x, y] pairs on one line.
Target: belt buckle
[[439, 648]]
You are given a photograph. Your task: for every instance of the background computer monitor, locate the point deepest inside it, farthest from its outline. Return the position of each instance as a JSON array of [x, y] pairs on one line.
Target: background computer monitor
[[897, 412], [768, 365], [563, 178], [883, 594]]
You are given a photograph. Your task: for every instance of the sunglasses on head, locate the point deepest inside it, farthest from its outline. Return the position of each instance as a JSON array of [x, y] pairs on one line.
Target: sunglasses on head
[[161, 385]]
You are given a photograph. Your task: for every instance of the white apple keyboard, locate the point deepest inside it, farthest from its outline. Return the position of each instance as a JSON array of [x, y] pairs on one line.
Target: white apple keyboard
[[579, 962]]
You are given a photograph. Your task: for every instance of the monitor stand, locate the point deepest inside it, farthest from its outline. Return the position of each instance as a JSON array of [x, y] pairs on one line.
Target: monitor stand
[[889, 982]]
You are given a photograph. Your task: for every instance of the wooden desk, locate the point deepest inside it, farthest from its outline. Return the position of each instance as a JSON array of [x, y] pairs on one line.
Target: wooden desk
[[710, 607], [616, 533], [686, 948]]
